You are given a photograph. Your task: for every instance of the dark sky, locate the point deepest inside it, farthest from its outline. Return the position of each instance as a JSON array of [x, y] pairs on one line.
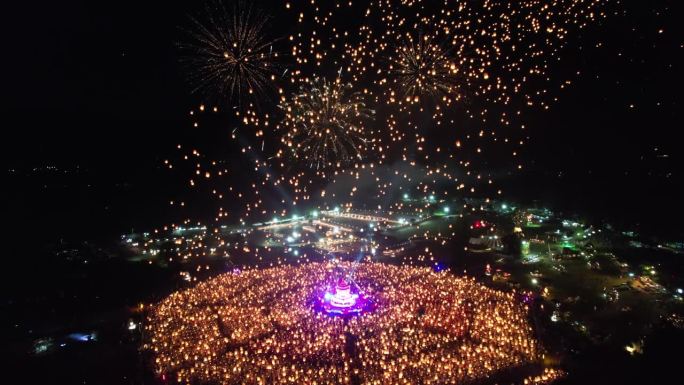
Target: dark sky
[[97, 84], [90, 80]]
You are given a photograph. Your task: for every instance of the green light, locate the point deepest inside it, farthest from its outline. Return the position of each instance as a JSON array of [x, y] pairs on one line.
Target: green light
[[446, 210], [406, 196], [504, 206]]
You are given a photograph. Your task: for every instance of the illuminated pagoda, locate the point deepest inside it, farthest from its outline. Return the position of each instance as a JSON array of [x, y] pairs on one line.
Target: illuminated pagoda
[[342, 301]]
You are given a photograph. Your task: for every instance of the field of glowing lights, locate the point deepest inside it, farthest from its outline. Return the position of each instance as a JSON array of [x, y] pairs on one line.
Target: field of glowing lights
[[261, 326], [357, 192]]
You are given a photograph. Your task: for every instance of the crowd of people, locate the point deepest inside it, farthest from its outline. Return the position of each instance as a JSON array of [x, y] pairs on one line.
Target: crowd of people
[[260, 326]]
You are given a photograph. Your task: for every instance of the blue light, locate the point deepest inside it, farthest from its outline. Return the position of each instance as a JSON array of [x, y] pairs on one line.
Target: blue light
[[81, 337]]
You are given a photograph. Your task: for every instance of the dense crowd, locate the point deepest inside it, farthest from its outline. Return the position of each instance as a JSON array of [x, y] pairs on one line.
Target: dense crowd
[[260, 326]]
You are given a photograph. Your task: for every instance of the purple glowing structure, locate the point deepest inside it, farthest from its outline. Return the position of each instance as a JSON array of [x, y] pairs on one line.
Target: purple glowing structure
[[342, 301]]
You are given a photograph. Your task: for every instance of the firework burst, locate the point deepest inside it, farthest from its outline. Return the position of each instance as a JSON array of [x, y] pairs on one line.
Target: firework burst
[[324, 123], [228, 55], [416, 63], [422, 67]]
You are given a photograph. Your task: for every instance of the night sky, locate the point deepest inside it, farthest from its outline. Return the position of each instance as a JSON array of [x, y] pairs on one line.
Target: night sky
[[96, 87]]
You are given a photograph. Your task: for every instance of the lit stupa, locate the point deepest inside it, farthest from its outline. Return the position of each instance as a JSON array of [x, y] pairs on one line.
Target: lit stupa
[[342, 301]]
